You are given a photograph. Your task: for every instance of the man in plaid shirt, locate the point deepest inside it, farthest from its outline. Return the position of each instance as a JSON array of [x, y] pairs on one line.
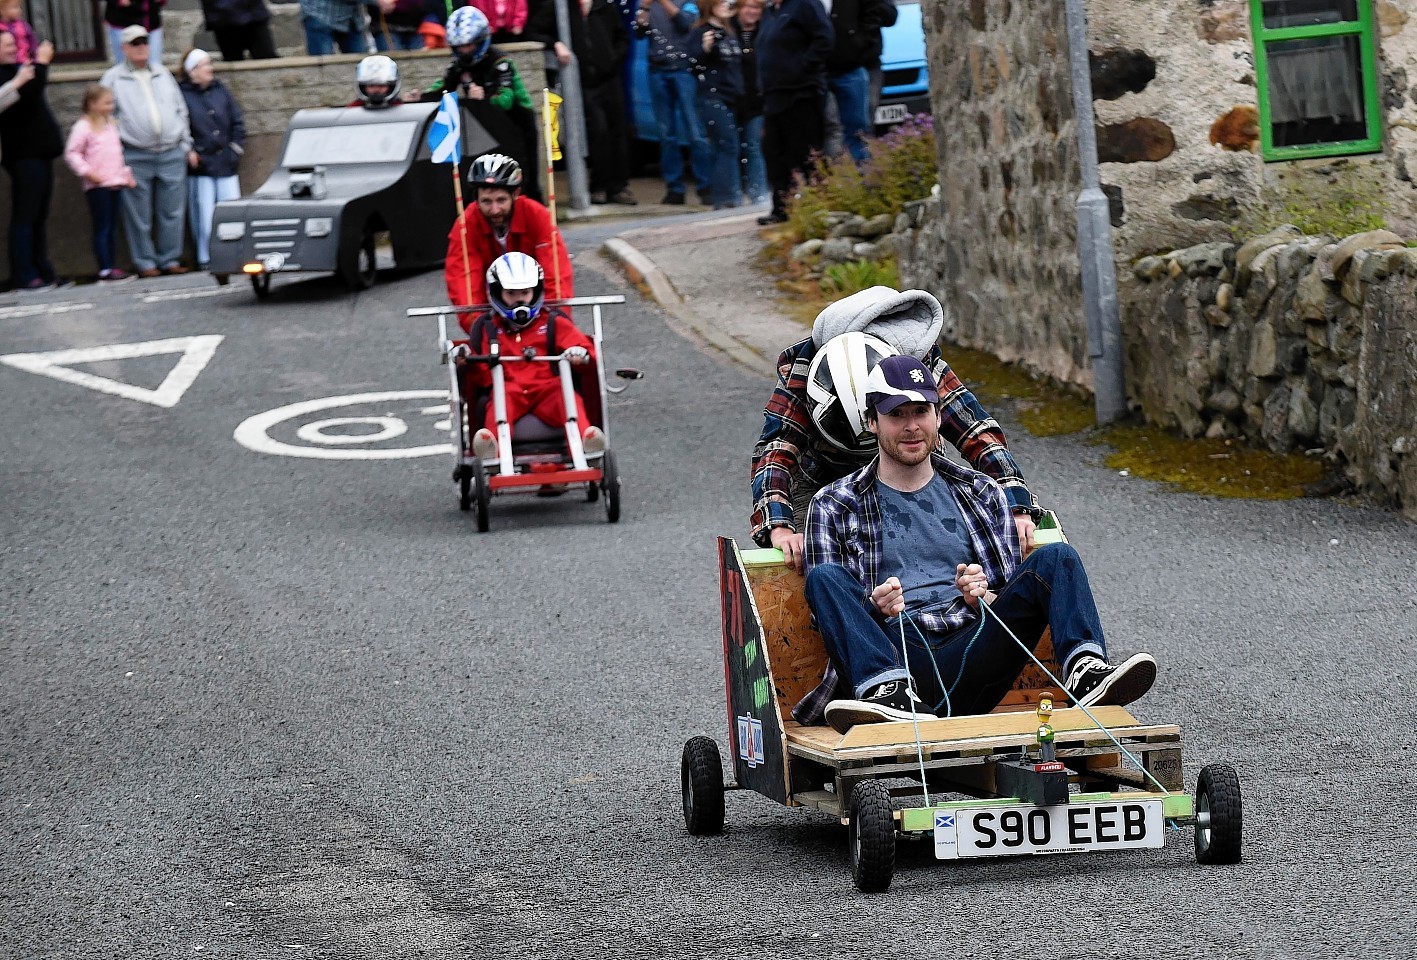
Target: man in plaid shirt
[[791, 460], [913, 523]]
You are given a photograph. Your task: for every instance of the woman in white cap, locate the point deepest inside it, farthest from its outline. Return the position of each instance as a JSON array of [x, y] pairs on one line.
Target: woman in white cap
[[218, 140]]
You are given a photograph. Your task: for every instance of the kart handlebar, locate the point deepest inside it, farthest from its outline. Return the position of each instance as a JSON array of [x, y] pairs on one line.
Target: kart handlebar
[[462, 352]]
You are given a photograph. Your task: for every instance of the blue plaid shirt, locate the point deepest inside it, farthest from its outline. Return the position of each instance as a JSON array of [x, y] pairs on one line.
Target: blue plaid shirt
[[844, 527]]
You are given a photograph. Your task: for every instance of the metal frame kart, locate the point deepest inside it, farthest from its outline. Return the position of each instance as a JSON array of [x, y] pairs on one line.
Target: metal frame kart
[[532, 457], [1024, 779]]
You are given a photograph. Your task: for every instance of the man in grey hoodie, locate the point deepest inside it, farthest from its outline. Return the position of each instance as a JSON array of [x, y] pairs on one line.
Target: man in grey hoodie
[[157, 144]]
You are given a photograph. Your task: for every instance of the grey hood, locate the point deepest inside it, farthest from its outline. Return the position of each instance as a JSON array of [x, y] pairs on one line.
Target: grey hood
[[908, 320]]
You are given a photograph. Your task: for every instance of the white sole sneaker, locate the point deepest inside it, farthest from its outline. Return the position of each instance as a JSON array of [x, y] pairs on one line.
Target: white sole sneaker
[[593, 440], [1128, 682], [484, 445], [842, 715]]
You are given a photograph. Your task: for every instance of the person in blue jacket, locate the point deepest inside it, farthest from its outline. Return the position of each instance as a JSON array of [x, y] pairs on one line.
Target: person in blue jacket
[[673, 92], [218, 141], [718, 63]]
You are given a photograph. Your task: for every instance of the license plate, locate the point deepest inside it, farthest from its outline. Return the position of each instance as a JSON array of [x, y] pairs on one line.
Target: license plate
[[1010, 831], [891, 113]]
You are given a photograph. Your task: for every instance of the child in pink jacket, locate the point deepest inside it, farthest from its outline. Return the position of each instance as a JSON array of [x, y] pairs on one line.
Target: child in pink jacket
[[507, 18], [95, 154]]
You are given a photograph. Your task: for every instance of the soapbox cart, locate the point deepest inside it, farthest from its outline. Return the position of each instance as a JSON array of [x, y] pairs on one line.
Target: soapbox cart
[[532, 458], [1034, 780]]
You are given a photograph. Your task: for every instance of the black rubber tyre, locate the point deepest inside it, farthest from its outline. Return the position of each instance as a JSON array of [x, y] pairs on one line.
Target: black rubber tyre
[[464, 478], [610, 486], [701, 780], [361, 274], [261, 283], [484, 496], [1218, 815], [592, 492], [872, 837]]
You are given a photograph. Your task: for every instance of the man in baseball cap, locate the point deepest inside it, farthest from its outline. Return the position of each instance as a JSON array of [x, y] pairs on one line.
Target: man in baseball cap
[[914, 536]]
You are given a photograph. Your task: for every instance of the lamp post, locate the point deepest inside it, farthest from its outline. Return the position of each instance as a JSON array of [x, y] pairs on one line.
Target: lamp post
[[574, 126], [1095, 253]]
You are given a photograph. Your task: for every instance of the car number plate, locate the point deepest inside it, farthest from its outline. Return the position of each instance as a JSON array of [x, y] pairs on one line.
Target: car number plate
[[891, 113], [1072, 828]]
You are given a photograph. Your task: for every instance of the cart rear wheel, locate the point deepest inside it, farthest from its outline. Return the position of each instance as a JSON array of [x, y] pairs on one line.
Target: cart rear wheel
[[362, 273], [261, 283], [610, 483], [464, 478], [872, 836], [1218, 820], [484, 496], [592, 492], [701, 778]]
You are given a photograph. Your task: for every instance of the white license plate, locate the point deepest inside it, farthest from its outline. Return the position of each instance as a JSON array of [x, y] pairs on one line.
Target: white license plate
[[891, 113], [1072, 828]]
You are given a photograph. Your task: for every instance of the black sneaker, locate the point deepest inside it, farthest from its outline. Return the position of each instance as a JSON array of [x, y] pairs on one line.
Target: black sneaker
[[1094, 682], [891, 701], [599, 197], [777, 216], [673, 199]]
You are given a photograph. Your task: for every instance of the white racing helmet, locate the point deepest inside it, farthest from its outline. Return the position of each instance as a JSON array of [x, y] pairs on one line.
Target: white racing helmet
[[836, 389], [515, 271], [377, 70]]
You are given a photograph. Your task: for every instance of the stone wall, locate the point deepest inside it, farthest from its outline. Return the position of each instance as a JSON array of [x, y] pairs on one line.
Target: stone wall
[[269, 91], [1291, 341], [998, 245]]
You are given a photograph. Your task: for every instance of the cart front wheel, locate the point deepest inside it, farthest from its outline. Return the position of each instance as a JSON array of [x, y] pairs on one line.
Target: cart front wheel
[[362, 273], [484, 496], [261, 283], [1218, 822], [610, 483], [872, 832], [701, 778]]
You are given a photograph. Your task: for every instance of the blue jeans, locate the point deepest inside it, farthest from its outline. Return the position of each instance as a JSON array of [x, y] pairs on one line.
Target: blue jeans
[[321, 38], [852, 91], [674, 95], [726, 183], [31, 189], [395, 40], [106, 207], [1049, 589], [162, 178], [203, 194], [755, 170]]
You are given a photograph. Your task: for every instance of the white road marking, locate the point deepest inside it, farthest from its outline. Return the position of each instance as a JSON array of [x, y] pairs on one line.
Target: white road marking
[[254, 432], [196, 354], [188, 294], [41, 309]]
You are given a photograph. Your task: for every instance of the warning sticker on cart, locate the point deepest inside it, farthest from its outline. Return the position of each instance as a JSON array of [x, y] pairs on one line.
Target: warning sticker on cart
[[750, 740]]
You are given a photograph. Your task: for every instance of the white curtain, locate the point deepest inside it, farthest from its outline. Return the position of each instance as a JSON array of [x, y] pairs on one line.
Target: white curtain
[[1315, 80]]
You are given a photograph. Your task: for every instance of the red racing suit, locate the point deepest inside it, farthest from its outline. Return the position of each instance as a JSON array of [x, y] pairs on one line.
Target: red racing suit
[[529, 231], [533, 388]]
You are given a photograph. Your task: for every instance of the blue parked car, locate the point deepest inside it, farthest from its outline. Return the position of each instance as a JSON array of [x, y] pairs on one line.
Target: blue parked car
[[905, 80]]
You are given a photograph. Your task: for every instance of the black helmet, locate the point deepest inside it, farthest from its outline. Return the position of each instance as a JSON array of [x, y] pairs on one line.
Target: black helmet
[[495, 170], [516, 271]]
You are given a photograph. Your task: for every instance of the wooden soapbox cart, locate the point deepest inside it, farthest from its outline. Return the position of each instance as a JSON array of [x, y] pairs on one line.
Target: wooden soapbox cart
[[1022, 795]]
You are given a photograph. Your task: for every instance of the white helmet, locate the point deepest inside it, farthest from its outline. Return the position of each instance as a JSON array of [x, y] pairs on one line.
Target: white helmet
[[377, 70], [836, 389], [515, 271]]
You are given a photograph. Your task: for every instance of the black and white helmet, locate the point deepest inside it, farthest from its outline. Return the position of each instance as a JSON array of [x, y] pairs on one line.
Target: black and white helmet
[[836, 389], [515, 271], [377, 70], [468, 27], [495, 170]]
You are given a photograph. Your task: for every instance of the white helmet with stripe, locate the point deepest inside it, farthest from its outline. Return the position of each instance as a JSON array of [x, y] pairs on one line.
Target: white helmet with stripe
[[836, 389]]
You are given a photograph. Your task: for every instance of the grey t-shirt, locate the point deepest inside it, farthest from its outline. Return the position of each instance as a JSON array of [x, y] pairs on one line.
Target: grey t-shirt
[[923, 538]]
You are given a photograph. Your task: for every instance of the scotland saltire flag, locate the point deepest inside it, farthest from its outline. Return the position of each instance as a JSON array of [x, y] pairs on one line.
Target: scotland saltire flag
[[445, 134]]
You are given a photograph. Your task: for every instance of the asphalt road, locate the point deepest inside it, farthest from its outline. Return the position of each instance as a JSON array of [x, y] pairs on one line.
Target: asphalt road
[[256, 705]]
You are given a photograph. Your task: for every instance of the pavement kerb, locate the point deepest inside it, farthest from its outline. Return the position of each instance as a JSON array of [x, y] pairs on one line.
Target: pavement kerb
[[639, 268]]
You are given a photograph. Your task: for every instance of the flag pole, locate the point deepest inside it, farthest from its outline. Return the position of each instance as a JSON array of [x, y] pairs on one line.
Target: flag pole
[[551, 186], [462, 229]]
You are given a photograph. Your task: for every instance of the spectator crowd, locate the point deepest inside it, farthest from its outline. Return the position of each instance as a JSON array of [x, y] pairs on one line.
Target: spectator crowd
[[743, 93]]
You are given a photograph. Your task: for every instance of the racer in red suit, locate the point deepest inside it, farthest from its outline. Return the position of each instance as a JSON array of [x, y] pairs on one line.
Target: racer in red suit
[[502, 221], [523, 326]]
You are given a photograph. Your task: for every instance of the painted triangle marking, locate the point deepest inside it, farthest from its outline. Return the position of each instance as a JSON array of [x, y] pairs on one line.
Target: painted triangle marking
[[196, 354]]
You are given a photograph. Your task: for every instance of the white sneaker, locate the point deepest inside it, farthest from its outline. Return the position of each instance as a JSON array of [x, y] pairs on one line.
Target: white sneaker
[[484, 444], [593, 440]]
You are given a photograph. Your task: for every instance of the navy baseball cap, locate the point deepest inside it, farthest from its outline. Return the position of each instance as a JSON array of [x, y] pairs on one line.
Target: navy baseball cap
[[900, 379]]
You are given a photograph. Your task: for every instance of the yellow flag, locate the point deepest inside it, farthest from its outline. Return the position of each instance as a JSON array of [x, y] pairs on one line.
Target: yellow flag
[[553, 105]]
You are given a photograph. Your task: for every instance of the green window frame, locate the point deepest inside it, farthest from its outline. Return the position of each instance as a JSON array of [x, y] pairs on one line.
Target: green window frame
[[1363, 30]]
